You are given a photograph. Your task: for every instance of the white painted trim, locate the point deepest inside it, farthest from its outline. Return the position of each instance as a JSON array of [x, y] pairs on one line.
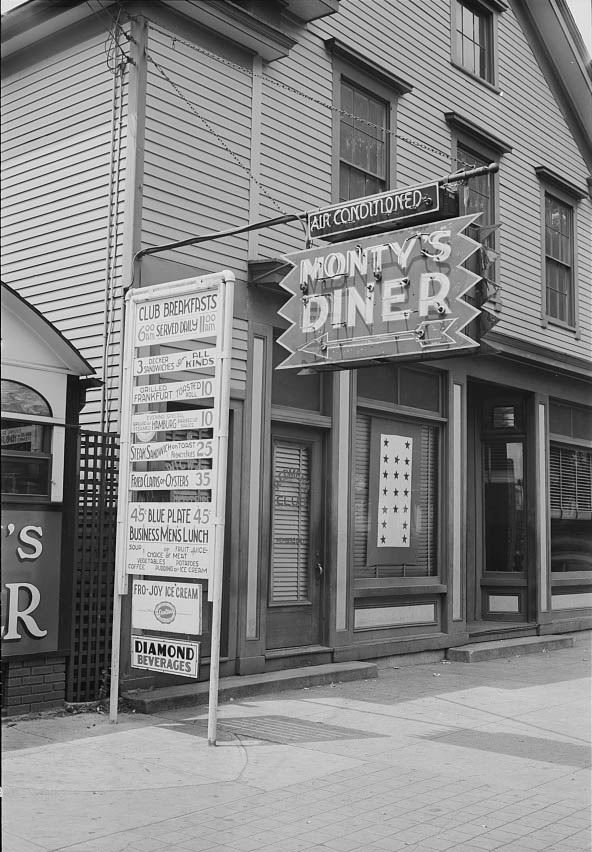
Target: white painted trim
[[456, 476], [542, 508], [254, 486], [342, 499]]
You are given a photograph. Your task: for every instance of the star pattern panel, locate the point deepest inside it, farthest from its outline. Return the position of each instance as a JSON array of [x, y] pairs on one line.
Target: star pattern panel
[[394, 491]]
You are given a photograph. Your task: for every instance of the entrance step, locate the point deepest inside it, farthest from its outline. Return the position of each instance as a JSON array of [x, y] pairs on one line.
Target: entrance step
[[480, 651], [194, 694]]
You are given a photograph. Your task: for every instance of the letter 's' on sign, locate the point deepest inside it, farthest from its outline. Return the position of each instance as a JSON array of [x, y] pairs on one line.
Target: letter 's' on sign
[[388, 296]]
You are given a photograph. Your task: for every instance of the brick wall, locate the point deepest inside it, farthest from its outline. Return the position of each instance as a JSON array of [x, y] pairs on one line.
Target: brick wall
[[33, 684]]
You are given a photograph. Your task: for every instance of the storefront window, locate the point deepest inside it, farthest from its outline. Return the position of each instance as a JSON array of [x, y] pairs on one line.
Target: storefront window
[[571, 508], [395, 498], [26, 446], [396, 478]]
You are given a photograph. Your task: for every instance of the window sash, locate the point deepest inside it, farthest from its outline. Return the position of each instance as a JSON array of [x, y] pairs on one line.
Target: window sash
[[474, 40], [559, 283], [363, 143]]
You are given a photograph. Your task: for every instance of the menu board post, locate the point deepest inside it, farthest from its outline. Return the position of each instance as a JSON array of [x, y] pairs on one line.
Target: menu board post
[[176, 353]]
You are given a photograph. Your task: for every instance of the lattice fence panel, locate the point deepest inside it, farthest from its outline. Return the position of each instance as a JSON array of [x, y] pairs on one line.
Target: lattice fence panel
[[92, 597]]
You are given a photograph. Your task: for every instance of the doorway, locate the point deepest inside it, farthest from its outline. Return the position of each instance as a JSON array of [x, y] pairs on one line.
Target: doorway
[[296, 558], [498, 563]]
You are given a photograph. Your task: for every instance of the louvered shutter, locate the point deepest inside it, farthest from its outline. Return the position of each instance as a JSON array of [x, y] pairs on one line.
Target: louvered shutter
[[290, 522], [571, 482]]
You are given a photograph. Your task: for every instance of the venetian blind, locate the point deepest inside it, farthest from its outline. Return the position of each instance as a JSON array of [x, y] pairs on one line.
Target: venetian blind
[[290, 523], [571, 482]]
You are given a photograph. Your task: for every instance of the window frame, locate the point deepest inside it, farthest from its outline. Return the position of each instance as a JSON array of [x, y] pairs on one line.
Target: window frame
[[20, 455], [548, 190], [365, 80], [490, 10]]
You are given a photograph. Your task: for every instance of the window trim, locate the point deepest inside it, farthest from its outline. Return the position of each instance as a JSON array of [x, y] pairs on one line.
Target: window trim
[[551, 184], [491, 8], [383, 87], [474, 142]]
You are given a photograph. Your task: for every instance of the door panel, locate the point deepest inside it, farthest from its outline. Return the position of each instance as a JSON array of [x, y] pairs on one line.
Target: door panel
[[296, 559], [498, 552]]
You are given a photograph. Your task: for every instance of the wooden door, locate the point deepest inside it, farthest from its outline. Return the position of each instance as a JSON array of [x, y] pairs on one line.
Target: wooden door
[[296, 559], [498, 561]]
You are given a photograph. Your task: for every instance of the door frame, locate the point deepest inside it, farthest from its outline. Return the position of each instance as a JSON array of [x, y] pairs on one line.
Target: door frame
[[291, 614], [481, 585]]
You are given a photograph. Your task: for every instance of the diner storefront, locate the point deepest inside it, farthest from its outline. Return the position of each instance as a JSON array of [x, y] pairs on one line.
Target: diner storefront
[[41, 398]]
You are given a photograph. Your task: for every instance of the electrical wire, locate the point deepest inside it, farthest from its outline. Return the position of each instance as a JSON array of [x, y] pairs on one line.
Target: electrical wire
[[176, 39]]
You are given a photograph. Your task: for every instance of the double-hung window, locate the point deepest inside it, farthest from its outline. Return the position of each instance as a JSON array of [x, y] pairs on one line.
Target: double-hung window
[[559, 229], [474, 39], [363, 142], [365, 94], [478, 196], [559, 278]]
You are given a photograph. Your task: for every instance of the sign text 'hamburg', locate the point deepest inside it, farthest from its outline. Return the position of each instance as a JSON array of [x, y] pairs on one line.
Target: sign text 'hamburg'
[[385, 296]]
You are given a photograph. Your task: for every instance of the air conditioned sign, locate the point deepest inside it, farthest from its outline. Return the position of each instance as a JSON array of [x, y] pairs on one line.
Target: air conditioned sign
[[387, 296], [385, 208]]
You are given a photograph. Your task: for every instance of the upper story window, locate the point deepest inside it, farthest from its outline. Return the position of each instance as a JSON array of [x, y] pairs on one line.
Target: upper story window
[[474, 39], [559, 229], [559, 279], [365, 93], [478, 196], [363, 143]]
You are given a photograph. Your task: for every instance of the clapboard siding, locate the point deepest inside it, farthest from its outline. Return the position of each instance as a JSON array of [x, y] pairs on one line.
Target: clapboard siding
[[296, 141], [413, 40], [191, 185], [56, 128]]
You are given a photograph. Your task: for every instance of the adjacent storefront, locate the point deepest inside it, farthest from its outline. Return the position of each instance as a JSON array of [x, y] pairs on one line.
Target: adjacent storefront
[[40, 396]]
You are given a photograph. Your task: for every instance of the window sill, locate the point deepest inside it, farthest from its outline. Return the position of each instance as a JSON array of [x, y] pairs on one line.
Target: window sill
[[557, 323], [476, 77]]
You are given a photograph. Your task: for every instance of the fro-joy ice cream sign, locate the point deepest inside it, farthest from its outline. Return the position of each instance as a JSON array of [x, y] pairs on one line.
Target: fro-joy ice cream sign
[[385, 296]]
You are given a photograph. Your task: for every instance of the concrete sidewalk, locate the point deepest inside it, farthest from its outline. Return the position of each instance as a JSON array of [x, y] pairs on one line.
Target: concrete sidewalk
[[492, 755]]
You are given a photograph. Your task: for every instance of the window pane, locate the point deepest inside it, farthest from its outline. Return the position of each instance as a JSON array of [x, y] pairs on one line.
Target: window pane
[[27, 477], [504, 509], [378, 383], [20, 399], [20, 436], [571, 545], [419, 389], [362, 144]]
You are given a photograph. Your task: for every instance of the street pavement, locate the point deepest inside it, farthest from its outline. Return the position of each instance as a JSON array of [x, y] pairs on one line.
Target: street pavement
[[465, 757]]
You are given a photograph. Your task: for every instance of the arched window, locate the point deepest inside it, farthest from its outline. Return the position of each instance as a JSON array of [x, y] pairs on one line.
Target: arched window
[[21, 399], [26, 445]]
